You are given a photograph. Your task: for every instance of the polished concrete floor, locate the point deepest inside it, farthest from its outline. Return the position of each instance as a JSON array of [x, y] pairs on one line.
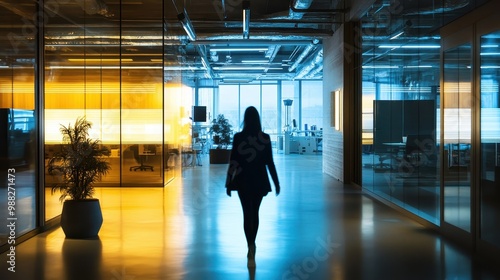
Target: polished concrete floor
[[317, 228]]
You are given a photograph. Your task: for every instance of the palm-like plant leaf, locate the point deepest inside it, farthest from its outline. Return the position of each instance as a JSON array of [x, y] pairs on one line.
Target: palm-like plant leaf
[[81, 162]]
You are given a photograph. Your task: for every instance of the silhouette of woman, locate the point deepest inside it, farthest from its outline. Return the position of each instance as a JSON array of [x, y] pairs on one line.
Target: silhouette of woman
[[247, 173]]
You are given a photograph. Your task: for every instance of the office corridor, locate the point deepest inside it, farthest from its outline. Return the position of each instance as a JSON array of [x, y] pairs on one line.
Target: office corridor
[[317, 228]]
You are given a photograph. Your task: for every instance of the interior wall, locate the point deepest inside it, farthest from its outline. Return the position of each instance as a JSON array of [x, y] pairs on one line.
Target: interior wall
[[333, 79]]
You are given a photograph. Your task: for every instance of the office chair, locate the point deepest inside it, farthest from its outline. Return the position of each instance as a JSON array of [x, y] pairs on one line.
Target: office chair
[[139, 158]]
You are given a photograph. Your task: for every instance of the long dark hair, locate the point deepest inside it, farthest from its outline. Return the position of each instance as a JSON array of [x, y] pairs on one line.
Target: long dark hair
[[251, 121]]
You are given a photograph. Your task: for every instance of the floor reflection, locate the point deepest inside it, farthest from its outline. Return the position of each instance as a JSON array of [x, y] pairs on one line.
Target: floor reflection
[[317, 228]]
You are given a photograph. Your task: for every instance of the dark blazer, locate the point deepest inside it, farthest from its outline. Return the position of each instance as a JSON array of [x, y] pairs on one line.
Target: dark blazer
[[250, 156]]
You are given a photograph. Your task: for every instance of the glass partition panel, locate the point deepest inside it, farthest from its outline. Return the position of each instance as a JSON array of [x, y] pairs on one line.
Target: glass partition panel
[[18, 137], [457, 136], [82, 79], [142, 111], [490, 138], [65, 89], [400, 111]]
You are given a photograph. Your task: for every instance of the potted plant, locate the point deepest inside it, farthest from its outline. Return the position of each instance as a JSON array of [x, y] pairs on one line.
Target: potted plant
[[221, 132], [80, 164]]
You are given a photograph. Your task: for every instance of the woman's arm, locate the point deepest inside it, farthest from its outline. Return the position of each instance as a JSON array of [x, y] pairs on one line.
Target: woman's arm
[[271, 166]]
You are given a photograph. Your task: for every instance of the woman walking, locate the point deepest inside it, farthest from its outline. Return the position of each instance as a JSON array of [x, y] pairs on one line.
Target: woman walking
[[250, 155]]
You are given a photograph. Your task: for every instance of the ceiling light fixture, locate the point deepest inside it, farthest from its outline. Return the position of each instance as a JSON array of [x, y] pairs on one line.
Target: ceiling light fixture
[[409, 46], [255, 49], [187, 25], [246, 19], [255, 61], [396, 35]]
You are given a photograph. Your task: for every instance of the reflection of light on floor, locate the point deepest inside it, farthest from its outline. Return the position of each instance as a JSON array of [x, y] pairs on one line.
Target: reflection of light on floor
[[457, 206], [139, 223], [367, 219]]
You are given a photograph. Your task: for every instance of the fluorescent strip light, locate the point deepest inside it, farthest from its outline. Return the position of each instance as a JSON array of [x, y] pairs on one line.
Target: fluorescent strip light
[[397, 35], [492, 54], [230, 68], [409, 46], [418, 66], [489, 46], [255, 61], [238, 49], [379, 66], [4, 66], [246, 19], [187, 25]]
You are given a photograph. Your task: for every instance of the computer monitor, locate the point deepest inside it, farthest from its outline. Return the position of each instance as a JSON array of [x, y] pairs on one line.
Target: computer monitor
[[199, 113]]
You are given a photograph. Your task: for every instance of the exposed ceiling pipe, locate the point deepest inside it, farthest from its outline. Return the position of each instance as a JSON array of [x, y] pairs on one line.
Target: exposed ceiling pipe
[[303, 55], [254, 42], [204, 60], [296, 6], [314, 72], [315, 62], [272, 52], [299, 7], [448, 6]]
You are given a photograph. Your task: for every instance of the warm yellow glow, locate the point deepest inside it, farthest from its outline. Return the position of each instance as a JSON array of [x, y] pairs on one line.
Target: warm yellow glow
[[337, 109], [139, 223], [457, 95], [137, 126], [100, 60], [18, 91], [141, 119]]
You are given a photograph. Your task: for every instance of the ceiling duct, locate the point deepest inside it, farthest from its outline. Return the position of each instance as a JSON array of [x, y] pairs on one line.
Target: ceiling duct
[[303, 55], [187, 25], [299, 5], [294, 12], [204, 60], [315, 62]]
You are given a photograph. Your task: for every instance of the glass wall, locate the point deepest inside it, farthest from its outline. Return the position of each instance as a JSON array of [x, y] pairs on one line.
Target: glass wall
[[457, 121], [400, 109], [402, 114], [142, 102], [490, 137], [113, 75], [18, 137]]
